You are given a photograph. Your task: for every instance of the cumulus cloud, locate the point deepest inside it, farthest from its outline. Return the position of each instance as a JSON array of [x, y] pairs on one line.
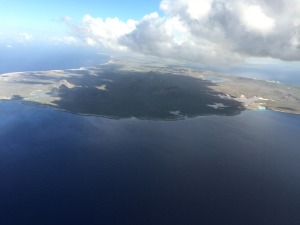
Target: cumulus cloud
[[194, 9], [172, 39], [103, 32], [206, 31], [254, 18], [24, 37], [69, 40]]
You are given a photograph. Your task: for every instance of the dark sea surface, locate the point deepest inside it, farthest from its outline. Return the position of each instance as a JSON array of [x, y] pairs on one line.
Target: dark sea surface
[[62, 168]]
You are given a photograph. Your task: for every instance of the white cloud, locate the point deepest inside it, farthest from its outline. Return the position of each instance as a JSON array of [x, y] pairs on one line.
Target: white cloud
[[24, 37], [198, 9], [170, 38], [195, 9], [206, 31], [103, 32], [63, 40], [70, 39], [66, 19], [90, 41], [177, 29], [255, 19]]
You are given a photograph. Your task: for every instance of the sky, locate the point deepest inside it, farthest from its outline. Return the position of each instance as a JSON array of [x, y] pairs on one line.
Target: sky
[[210, 32], [44, 17]]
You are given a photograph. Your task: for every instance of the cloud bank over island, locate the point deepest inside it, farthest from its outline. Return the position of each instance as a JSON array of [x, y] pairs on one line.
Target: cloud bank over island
[[207, 31]]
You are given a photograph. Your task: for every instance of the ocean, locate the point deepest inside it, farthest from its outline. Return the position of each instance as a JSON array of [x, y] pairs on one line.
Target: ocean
[[39, 58], [61, 168]]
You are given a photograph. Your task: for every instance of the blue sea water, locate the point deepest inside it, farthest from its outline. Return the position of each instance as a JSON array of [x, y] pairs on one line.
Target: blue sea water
[[40, 57], [61, 168]]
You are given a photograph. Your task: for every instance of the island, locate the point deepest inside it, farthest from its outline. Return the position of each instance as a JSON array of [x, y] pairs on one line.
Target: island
[[124, 89]]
